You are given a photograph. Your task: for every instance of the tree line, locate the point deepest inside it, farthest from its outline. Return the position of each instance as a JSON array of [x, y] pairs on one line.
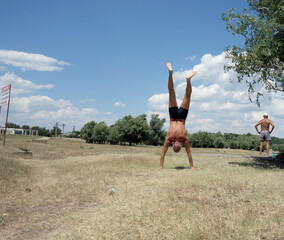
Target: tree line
[[128, 130], [226, 140], [137, 131]]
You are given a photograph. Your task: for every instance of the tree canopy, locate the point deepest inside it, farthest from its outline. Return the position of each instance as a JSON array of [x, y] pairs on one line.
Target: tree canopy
[[87, 131], [100, 132], [157, 135], [260, 61], [133, 130]]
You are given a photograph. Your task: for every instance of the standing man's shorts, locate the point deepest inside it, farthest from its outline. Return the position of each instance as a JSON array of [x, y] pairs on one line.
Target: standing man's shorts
[[178, 113], [264, 136]]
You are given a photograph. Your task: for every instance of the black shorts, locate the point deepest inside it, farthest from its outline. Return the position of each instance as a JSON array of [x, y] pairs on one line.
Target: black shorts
[[178, 113]]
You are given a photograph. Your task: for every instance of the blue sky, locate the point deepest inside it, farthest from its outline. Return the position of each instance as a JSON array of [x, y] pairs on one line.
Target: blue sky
[[75, 61]]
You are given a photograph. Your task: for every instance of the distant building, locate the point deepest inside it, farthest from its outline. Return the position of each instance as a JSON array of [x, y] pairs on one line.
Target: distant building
[[19, 131]]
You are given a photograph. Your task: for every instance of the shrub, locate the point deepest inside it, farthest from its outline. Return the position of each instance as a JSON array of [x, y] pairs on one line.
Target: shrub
[[245, 145], [219, 142]]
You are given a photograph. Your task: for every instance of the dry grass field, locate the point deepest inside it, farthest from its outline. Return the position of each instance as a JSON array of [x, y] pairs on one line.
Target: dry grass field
[[59, 190]]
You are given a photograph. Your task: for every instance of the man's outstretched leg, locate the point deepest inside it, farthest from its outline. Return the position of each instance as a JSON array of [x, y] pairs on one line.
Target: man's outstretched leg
[[185, 105], [172, 95], [186, 100]]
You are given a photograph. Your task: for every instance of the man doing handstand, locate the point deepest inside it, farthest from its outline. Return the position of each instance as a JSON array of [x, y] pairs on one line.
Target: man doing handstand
[[177, 132]]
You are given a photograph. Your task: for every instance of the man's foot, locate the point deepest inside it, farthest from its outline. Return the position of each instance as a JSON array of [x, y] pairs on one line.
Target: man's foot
[[193, 168], [192, 73], [169, 66], [160, 168]]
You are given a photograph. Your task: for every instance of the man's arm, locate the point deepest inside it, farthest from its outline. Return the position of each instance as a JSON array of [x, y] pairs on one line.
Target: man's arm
[[256, 125], [187, 149], [164, 151], [271, 123]]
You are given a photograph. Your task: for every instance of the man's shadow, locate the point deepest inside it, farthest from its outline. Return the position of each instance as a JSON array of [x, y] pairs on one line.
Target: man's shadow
[[262, 163], [181, 168]]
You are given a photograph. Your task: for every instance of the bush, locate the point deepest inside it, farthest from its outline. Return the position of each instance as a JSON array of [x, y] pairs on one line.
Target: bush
[[113, 137], [202, 139], [100, 132], [234, 145], [281, 148], [219, 142], [245, 145], [278, 147]]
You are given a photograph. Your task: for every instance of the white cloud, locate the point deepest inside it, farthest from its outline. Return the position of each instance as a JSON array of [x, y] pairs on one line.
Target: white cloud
[[277, 108], [119, 104], [3, 69], [20, 85], [37, 110], [159, 102], [191, 58], [44, 111], [218, 104], [201, 92], [209, 68], [204, 124], [161, 114], [180, 76], [30, 61], [36, 103]]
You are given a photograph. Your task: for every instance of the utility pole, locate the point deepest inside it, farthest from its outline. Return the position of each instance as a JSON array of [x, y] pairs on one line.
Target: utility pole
[[63, 128], [56, 126], [73, 129], [6, 92]]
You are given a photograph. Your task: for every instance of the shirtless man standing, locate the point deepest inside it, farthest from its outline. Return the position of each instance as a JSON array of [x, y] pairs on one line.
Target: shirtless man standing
[[264, 133], [177, 132]]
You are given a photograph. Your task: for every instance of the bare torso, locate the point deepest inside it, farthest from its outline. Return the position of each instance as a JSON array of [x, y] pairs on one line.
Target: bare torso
[[177, 131], [264, 124]]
